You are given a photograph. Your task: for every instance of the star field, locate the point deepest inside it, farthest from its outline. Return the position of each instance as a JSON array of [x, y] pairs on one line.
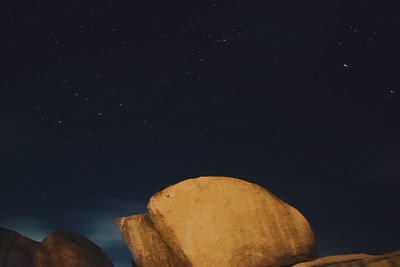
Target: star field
[[112, 101]]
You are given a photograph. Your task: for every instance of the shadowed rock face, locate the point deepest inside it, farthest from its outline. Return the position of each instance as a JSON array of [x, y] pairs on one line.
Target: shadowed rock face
[[355, 260], [64, 249], [145, 243], [15, 249], [221, 221]]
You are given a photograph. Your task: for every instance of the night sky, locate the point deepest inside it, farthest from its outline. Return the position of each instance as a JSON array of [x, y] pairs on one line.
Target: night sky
[[105, 103]]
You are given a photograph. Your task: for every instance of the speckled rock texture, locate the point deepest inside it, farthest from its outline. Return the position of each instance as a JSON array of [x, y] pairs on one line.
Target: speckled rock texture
[[144, 242], [225, 222]]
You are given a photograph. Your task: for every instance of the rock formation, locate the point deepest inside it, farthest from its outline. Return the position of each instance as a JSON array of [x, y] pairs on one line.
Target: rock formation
[[201, 222], [145, 243], [65, 249], [340, 260], [15, 249], [221, 221], [355, 260]]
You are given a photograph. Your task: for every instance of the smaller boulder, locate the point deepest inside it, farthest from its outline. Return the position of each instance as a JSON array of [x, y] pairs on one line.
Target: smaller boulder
[[391, 259], [144, 242], [65, 249], [15, 249], [351, 260], [355, 260]]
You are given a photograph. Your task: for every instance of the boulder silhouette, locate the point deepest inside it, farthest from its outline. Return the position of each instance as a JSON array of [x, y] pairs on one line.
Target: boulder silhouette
[[15, 249], [355, 260], [63, 249], [145, 243], [222, 221]]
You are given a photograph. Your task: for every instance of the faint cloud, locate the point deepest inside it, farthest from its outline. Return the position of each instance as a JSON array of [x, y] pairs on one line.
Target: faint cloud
[[94, 219], [98, 219], [30, 227], [122, 264], [97, 222]]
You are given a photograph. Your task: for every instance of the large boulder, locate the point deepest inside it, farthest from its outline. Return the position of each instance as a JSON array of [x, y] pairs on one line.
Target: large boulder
[[144, 242], [65, 249], [15, 249], [224, 222], [355, 260]]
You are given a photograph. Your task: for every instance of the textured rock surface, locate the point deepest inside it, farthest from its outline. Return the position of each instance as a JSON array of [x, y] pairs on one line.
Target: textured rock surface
[[221, 221], [144, 242], [356, 260], [15, 249], [340, 260], [387, 260], [64, 249]]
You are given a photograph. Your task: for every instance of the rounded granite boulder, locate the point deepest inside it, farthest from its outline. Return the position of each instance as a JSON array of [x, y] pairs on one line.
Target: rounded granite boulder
[[16, 250], [65, 249], [222, 221]]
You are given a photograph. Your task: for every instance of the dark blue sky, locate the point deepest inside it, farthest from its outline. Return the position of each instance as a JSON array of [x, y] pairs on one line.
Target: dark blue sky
[[109, 102]]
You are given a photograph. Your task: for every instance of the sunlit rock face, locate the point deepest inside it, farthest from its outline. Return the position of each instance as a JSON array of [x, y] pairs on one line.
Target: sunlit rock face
[[145, 243], [64, 249], [221, 221], [15, 249], [355, 260], [351, 260]]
